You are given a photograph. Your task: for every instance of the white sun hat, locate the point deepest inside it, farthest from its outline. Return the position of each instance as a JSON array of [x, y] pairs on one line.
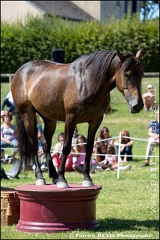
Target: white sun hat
[[149, 86]]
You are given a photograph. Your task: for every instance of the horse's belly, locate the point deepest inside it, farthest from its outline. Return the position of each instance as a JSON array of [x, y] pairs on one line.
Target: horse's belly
[[59, 109], [51, 111]]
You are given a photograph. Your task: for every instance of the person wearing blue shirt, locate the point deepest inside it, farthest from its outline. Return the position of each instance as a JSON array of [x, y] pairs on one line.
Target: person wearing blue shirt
[[153, 141], [9, 102]]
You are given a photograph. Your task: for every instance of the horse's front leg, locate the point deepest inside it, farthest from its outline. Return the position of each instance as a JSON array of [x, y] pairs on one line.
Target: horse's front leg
[[69, 129], [87, 181]]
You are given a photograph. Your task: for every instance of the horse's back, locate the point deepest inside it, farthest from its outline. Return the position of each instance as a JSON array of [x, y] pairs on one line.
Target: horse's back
[[37, 72], [29, 68]]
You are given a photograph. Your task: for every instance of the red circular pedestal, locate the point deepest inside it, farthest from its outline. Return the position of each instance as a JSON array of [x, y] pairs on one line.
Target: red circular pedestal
[[49, 209]]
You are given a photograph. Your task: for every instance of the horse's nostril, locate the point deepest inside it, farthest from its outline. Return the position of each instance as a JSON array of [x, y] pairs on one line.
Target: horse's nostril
[[135, 109]]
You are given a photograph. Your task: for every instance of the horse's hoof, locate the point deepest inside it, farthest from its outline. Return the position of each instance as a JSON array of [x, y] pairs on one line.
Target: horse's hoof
[[40, 181], [62, 184], [87, 183]]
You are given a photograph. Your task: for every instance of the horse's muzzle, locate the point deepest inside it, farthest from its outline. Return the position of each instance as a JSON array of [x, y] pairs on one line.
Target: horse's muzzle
[[135, 107]]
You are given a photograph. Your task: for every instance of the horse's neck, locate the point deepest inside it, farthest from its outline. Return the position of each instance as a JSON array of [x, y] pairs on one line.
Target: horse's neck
[[112, 84]]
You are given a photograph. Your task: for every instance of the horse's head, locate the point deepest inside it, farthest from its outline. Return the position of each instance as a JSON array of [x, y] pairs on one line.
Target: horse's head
[[128, 79]]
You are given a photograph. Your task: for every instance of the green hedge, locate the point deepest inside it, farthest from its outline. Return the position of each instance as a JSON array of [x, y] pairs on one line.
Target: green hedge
[[36, 39]]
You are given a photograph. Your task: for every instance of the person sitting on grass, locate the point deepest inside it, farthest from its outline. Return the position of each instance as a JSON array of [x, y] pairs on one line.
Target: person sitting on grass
[[75, 136], [8, 134], [57, 154], [149, 99], [79, 155], [100, 151], [111, 160], [105, 136], [126, 146]]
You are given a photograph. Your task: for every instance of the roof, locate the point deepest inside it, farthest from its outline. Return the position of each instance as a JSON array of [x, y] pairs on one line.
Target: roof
[[65, 9]]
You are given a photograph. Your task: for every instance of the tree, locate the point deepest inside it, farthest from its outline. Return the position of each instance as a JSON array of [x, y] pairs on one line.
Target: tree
[[149, 8]]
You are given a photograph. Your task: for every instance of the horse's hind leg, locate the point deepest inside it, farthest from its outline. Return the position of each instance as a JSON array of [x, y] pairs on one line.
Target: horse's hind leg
[[49, 129], [87, 181], [29, 124]]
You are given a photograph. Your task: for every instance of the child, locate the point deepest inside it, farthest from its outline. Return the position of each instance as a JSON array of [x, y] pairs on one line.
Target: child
[[56, 155], [100, 152], [111, 160], [80, 154]]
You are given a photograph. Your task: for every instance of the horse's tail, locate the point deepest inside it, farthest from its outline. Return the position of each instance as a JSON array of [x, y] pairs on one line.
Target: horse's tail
[[24, 145]]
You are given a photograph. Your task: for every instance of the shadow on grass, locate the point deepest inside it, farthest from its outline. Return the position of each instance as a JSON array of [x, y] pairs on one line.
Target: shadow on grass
[[110, 111], [120, 224], [137, 160]]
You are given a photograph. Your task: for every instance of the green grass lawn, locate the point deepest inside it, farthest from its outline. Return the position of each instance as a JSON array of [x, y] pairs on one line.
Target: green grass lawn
[[128, 207], [125, 208]]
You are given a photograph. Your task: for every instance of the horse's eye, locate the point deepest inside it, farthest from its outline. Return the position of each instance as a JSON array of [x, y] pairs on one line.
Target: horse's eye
[[126, 75]]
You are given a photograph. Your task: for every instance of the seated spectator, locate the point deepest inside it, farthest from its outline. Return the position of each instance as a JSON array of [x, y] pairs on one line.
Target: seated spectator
[[126, 146], [8, 101], [8, 134], [100, 152], [153, 141], [41, 140], [149, 99], [57, 154], [111, 160], [80, 154], [75, 136], [105, 137]]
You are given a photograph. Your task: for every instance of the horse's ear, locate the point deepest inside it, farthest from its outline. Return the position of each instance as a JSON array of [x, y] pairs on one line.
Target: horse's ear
[[139, 54], [120, 55]]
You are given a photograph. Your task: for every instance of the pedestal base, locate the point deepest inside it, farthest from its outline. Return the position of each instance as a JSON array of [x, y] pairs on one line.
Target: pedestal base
[[49, 209]]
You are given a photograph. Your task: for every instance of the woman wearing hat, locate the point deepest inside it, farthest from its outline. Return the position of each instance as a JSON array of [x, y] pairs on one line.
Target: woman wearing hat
[[149, 99]]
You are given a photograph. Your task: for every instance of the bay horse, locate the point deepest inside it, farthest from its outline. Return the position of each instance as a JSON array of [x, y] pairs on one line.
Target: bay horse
[[74, 93]]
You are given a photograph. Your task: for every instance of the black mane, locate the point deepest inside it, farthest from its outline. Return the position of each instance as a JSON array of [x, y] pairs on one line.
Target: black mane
[[100, 61]]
